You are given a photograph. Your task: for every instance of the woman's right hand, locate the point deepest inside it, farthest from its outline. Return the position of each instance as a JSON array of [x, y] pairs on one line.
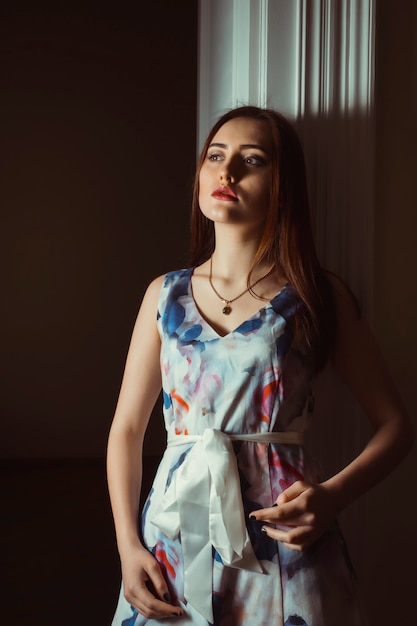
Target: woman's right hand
[[144, 585]]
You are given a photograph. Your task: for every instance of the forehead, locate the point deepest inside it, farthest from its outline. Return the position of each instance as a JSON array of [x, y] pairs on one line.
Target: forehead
[[244, 131]]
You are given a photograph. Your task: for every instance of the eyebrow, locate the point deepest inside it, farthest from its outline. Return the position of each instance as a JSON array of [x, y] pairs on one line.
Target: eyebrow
[[243, 145]]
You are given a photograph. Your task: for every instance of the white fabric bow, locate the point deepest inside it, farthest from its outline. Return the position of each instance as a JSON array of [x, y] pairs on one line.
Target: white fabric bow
[[204, 504]]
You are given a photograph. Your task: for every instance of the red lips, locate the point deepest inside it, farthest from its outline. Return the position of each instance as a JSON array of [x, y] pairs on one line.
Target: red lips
[[224, 193]]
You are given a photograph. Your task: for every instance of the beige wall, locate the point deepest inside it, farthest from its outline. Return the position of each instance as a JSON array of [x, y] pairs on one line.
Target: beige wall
[[391, 550]]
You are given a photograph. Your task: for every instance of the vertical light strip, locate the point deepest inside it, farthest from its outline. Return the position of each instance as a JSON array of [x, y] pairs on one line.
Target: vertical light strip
[[369, 10], [262, 74], [301, 52], [354, 54], [327, 57], [241, 52], [312, 57], [343, 87], [203, 87]]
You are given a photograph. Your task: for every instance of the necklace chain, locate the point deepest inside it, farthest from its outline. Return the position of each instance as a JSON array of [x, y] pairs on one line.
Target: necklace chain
[[227, 309]]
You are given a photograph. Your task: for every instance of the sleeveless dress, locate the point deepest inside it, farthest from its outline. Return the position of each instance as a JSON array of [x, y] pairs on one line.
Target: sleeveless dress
[[219, 566]]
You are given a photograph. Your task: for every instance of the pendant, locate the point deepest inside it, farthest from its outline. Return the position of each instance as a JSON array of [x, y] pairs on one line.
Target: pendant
[[226, 310]]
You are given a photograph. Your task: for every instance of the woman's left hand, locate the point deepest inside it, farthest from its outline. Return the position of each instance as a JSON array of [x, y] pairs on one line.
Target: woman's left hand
[[303, 512]]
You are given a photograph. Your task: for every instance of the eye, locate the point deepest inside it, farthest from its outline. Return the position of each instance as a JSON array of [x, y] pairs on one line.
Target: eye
[[254, 160], [214, 156]]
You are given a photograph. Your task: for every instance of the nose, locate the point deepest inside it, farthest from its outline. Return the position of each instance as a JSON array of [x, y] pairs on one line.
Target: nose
[[226, 176]]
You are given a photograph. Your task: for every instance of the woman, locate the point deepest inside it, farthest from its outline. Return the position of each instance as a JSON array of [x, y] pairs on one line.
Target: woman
[[237, 528]]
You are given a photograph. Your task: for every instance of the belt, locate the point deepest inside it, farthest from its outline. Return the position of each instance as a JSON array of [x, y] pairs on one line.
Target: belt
[[204, 504]]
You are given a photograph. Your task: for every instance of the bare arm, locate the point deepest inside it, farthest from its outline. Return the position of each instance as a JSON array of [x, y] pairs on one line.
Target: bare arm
[[310, 509], [140, 388]]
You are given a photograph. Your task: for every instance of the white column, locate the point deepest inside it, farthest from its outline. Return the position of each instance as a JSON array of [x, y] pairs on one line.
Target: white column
[[313, 60], [233, 57]]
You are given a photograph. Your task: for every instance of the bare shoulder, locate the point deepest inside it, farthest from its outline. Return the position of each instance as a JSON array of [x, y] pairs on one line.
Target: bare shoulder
[[146, 319], [154, 289]]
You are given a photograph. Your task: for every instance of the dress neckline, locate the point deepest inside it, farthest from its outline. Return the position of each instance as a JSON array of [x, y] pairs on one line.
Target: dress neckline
[[246, 321]]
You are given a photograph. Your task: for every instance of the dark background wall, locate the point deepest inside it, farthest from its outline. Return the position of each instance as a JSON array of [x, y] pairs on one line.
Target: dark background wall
[[98, 136], [390, 531], [97, 156]]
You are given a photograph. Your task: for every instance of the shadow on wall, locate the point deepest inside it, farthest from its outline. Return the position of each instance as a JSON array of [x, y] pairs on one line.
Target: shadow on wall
[[98, 139]]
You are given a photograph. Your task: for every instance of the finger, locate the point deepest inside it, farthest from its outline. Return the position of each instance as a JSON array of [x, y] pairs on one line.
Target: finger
[[142, 597], [260, 514], [155, 612], [155, 593], [151, 607], [163, 604], [278, 513], [292, 492], [297, 538], [157, 584]]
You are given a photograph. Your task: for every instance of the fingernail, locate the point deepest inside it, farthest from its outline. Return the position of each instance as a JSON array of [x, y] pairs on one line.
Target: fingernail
[[263, 530], [167, 597], [252, 517]]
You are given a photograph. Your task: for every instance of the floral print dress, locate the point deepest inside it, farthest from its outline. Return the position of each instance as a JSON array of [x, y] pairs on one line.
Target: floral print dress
[[251, 381]]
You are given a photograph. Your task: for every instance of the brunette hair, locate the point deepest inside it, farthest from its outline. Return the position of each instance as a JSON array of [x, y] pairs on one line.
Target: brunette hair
[[287, 242]]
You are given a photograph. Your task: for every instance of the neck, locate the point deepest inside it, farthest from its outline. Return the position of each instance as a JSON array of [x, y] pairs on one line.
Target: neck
[[233, 254]]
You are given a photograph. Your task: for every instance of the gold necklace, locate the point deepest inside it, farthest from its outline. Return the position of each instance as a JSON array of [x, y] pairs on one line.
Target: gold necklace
[[227, 309]]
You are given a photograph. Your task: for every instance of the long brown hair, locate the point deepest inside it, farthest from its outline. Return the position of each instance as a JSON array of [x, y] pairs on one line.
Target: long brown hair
[[287, 242]]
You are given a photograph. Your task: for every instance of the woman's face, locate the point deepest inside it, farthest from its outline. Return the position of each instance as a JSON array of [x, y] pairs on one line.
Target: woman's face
[[235, 178]]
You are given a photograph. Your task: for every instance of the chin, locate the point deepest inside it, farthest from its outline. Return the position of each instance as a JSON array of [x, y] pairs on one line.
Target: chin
[[222, 215]]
